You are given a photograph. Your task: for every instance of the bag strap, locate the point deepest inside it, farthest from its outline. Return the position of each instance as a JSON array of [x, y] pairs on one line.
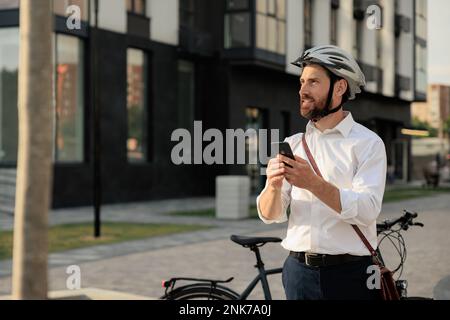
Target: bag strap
[[355, 227]]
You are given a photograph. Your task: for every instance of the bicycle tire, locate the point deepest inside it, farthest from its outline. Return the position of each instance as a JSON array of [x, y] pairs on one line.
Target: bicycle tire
[[201, 291]]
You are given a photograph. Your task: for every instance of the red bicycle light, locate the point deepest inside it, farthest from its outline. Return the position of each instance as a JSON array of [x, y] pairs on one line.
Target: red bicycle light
[[166, 283]]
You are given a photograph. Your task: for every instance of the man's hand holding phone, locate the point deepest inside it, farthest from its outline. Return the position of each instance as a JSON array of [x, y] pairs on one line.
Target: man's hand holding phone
[[294, 169], [276, 167], [275, 172]]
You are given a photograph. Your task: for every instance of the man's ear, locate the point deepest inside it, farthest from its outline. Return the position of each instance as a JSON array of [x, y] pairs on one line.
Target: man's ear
[[342, 86]]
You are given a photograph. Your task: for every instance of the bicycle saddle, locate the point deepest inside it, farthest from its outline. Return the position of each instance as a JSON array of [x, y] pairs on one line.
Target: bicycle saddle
[[253, 241]]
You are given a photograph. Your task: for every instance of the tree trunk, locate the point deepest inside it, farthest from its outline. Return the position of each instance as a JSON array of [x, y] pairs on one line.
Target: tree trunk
[[34, 164]]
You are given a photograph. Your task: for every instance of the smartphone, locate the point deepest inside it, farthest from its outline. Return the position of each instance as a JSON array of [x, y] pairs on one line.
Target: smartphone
[[284, 149]]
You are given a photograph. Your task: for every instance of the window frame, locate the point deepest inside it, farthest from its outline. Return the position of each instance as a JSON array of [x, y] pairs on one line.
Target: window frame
[[193, 111], [271, 18], [11, 163], [190, 12], [308, 23], [133, 8], [334, 24], [85, 101], [147, 127]]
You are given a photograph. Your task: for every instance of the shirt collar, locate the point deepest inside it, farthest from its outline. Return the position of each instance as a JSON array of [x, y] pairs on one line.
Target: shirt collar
[[344, 127]]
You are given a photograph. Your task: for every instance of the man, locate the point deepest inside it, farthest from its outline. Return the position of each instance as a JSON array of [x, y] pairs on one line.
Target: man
[[327, 259]]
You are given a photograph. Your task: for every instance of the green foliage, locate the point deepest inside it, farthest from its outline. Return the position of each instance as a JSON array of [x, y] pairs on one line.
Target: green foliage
[[423, 125]]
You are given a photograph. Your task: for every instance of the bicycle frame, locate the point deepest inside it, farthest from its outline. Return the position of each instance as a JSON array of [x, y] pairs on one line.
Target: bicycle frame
[[262, 276], [209, 284]]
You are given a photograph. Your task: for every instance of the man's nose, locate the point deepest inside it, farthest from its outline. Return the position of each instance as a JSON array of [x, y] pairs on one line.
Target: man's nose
[[303, 90]]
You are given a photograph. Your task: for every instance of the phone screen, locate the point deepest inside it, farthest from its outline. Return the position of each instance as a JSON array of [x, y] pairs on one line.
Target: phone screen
[[284, 149]]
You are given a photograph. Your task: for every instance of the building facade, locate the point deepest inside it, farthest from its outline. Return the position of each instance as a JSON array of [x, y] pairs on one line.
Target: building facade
[[164, 64], [436, 110]]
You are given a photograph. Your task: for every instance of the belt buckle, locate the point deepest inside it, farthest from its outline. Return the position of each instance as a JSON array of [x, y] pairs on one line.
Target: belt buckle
[[309, 257]]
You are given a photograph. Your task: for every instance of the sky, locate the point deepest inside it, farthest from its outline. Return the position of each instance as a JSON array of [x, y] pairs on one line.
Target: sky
[[439, 41]]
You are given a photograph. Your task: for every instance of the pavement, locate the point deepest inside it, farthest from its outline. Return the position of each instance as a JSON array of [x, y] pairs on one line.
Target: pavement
[[137, 267]]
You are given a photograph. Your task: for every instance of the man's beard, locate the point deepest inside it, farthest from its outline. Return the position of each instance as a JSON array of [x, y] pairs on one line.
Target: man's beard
[[318, 110]]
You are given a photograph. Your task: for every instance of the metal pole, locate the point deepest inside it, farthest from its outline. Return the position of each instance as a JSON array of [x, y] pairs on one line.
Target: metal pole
[[97, 131]]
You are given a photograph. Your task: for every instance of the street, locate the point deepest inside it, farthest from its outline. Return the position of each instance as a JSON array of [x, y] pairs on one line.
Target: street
[[142, 272]]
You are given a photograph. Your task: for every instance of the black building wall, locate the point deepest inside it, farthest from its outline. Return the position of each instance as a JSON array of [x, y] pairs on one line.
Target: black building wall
[[223, 91], [159, 178]]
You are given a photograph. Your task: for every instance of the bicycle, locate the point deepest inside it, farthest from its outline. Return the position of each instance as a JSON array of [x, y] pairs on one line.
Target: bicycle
[[216, 290]]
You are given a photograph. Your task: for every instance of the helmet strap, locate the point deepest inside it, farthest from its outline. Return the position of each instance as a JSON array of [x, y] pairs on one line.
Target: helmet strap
[[327, 110]]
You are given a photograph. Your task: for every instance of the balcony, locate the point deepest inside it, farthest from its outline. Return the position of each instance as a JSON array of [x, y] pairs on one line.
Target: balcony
[[256, 35], [373, 74], [402, 83], [402, 24], [196, 42], [138, 25], [255, 56]]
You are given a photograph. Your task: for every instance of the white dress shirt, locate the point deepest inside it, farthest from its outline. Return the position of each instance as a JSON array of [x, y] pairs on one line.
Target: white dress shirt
[[353, 158]]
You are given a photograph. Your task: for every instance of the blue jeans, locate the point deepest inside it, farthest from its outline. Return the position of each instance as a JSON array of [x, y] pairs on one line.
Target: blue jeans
[[341, 282]]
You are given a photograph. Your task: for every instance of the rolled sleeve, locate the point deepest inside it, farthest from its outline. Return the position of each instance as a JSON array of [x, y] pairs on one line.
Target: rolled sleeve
[[285, 201], [361, 204], [349, 201]]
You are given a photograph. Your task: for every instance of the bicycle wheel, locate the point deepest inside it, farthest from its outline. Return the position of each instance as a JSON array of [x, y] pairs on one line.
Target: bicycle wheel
[[201, 292]]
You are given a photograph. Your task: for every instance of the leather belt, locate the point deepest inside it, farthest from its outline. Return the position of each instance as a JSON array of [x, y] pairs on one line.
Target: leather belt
[[325, 260]]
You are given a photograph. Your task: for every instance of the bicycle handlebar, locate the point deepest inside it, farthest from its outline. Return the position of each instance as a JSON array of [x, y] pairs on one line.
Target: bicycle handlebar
[[405, 221]]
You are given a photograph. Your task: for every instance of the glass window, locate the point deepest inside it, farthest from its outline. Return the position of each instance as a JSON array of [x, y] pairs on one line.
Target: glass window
[[281, 37], [9, 4], [237, 4], [187, 11], [129, 4], [237, 30], [281, 9], [271, 34], [60, 7], [261, 6], [69, 99], [271, 7], [421, 51], [261, 37], [9, 63], [271, 25], [136, 6], [421, 66], [139, 6], [186, 94], [334, 26], [137, 105], [308, 22]]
